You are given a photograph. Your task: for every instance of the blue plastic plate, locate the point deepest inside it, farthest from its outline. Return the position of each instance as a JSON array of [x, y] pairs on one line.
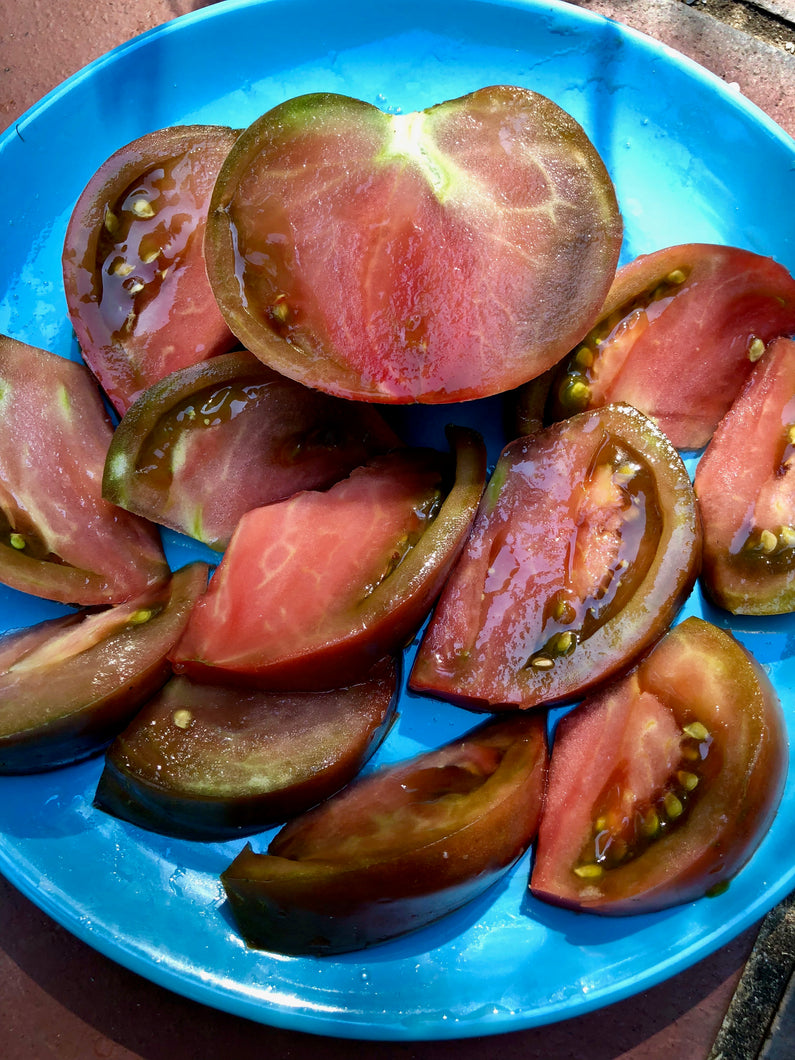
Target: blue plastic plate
[[692, 161]]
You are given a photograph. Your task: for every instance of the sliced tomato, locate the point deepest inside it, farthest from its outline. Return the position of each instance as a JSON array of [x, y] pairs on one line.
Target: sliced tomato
[[678, 336], [661, 788], [204, 762], [586, 544], [314, 590], [436, 256], [745, 483], [215, 440], [133, 260], [67, 686], [398, 849], [58, 538]]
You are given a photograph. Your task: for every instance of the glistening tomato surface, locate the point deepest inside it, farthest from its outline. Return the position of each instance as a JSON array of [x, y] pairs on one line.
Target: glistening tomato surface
[[745, 483], [677, 337], [214, 440], [69, 685], [661, 788], [314, 590], [207, 762], [586, 544], [398, 849], [133, 260], [59, 538], [436, 256]]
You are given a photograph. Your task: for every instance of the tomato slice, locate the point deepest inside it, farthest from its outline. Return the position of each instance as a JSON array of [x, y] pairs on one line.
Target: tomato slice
[[204, 762], [661, 788], [436, 256], [314, 590], [133, 260], [677, 337], [398, 849], [58, 538], [586, 544], [745, 483], [67, 686], [215, 440]]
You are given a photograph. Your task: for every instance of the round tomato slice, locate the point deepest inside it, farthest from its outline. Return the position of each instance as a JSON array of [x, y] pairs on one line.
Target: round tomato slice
[[586, 544], [216, 439], [745, 483], [436, 256], [205, 762], [678, 336], [314, 590], [67, 686], [398, 849], [661, 788], [133, 260], [59, 538]]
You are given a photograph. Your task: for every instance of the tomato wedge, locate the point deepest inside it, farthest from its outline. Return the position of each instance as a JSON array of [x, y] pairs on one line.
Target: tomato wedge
[[314, 590], [58, 538], [661, 788], [133, 260], [745, 483], [67, 686], [678, 336], [398, 849], [215, 440], [204, 762], [429, 257], [586, 544]]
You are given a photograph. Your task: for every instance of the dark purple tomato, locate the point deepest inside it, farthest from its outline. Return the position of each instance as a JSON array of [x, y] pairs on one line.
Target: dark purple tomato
[[745, 483], [429, 257], [133, 260], [216, 439], [314, 590], [398, 849], [661, 787], [677, 337], [59, 538], [586, 544], [67, 686], [206, 762]]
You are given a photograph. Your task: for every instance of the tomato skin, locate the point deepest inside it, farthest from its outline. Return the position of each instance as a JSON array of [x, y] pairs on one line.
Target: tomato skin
[[58, 538], [134, 246], [339, 879], [586, 544], [67, 686], [675, 337], [745, 483], [231, 422], [207, 762], [434, 285], [308, 627], [738, 761]]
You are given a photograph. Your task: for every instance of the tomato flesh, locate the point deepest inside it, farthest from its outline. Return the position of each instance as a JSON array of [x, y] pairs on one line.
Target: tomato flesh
[[342, 578], [214, 440], [677, 337], [586, 544], [398, 849], [59, 538], [133, 261], [67, 686], [206, 762], [745, 482], [662, 786], [403, 258]]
